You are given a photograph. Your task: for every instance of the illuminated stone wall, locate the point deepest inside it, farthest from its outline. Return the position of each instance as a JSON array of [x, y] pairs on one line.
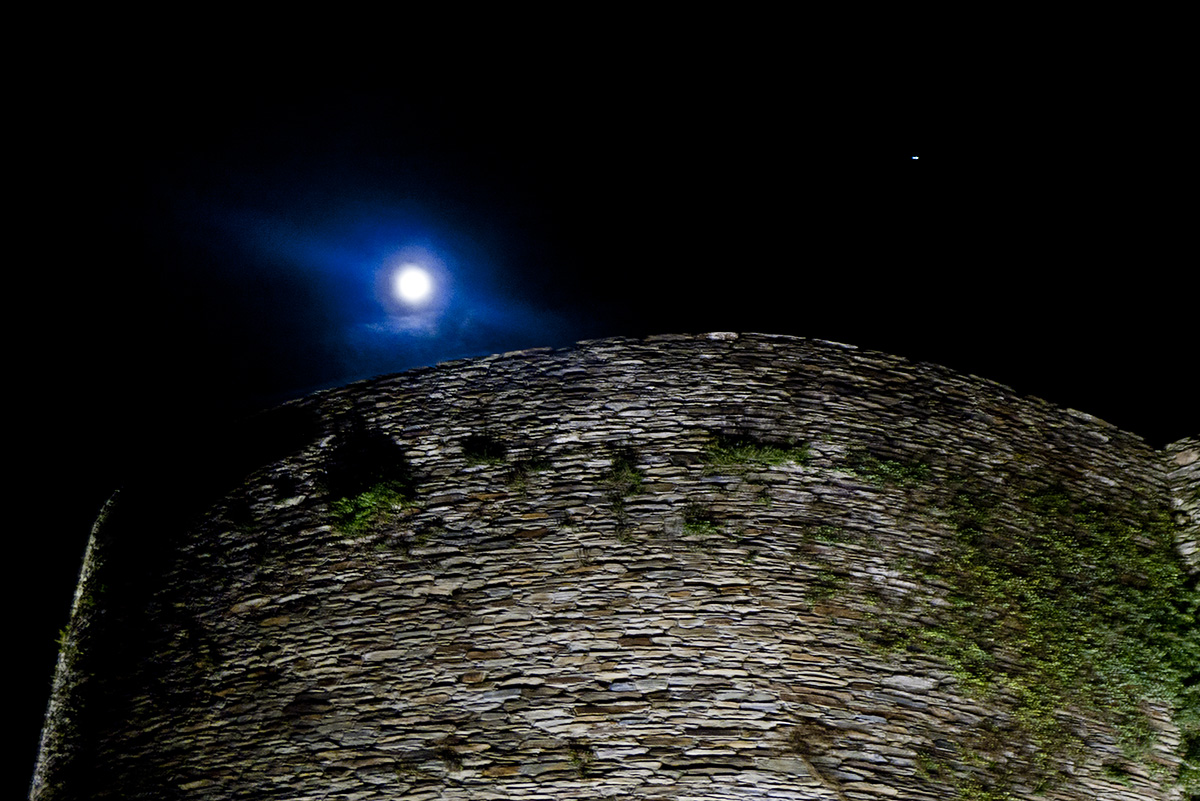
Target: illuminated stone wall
[[687, 567]]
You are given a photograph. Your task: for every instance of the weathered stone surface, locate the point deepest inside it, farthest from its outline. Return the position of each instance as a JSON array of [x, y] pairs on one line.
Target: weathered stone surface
[[604, 610]]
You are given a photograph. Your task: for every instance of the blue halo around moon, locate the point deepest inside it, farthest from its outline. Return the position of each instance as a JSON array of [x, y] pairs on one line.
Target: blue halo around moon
[[394, 285]]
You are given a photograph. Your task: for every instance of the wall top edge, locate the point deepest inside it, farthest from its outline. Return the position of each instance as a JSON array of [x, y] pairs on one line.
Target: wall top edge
[[718, 338]]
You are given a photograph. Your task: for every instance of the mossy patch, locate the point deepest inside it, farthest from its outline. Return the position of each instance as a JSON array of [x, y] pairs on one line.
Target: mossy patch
[[699, 521], [581, 755], [366, 477], [888, 472], [360, 513], [622, 481], [522, 470], [1055, 607], [737, 454]]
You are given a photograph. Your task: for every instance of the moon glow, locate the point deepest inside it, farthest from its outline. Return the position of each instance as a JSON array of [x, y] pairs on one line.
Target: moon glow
[[412, 284]]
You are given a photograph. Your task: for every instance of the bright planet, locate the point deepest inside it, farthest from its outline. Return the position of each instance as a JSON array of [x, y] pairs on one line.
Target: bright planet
[[412, 284]]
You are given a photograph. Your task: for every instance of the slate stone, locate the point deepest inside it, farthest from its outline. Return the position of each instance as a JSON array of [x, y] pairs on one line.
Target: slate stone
[[602, 611]]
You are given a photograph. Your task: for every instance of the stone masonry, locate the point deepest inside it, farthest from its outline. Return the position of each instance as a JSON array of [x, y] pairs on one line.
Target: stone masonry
[[635, 569]]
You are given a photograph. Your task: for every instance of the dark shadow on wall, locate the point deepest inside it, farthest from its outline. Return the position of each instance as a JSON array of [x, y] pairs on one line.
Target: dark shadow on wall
[[120, 636]]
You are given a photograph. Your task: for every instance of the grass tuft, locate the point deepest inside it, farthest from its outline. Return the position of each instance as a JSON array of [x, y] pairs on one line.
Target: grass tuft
[[739, 453]]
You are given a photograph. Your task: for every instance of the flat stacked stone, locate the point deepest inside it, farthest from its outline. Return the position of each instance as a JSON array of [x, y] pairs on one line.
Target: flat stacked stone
[[527, 626]]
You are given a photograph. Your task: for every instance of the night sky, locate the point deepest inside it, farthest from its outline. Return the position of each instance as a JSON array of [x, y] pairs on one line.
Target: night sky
[[209, 246]]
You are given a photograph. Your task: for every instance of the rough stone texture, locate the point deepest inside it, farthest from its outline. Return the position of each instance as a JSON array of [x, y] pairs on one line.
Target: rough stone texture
[[1183, 476], [539, 624]]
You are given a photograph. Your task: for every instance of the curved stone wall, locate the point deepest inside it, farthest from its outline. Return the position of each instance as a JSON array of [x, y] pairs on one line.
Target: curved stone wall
[[685, 567]]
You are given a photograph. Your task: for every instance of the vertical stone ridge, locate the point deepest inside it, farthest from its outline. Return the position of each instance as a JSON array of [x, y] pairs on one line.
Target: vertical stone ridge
[[56, 745], [1183, 476]]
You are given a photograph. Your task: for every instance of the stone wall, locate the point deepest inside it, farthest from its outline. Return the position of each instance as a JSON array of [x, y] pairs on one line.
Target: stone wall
[[1183, 478], [685, 567]]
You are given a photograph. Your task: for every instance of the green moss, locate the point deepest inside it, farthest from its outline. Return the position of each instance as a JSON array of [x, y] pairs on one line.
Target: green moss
[[518, 475], [623, 478], [739, 453], [974, 790], [622, 481], [697, 520], [361, 512], [888, 471], [827, 583], [366, 477], [581, 756], [1055, 604], [829, 534]]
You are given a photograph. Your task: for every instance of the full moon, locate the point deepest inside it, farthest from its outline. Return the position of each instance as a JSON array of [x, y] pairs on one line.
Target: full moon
[[412, 284]]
